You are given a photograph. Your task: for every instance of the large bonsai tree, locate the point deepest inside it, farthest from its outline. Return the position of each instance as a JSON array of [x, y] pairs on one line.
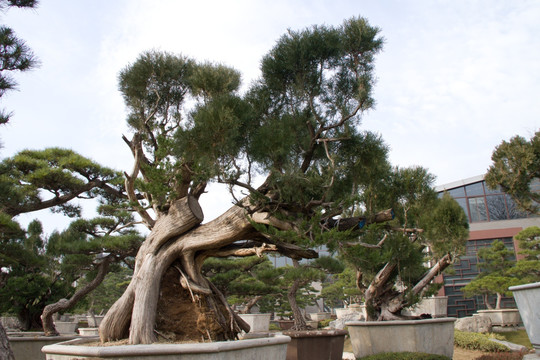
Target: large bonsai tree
[[291, 147]]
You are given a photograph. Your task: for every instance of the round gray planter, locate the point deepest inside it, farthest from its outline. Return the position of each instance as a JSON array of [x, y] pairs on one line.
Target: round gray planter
[[271, 348], [432, 336], [528, 299]]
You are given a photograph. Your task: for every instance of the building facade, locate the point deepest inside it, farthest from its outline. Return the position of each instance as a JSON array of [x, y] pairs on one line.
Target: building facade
[[492, 215]]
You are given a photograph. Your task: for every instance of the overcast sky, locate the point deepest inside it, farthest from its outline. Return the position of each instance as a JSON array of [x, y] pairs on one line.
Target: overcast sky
[[455, 77]]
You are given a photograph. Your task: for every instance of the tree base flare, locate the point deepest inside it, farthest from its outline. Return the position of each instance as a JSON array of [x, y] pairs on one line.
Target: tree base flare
[[180, 318]]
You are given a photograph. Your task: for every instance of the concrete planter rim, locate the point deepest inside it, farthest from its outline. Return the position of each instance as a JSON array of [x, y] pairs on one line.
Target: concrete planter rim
[[314, 333], [77, 347], [525, 286], [399, 322]]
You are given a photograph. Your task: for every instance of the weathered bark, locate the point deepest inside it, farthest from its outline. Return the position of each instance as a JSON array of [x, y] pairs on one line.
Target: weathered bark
[[64, 304], [299, 321], [386, 303], [5, 349], [163, 246]]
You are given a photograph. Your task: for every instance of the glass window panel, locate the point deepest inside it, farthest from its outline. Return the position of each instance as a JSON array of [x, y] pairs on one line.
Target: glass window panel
[[514, 212], [496, 207], [475, 189], [457, 192], [463, 203], [477, 208]]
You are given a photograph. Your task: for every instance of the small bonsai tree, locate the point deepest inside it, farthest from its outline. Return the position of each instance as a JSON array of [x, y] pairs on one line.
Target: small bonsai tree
[[301, 276], [494, 278], [527, 269]]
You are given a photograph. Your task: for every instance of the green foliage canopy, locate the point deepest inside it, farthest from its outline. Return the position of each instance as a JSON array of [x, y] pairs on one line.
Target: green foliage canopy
[[516, 169]]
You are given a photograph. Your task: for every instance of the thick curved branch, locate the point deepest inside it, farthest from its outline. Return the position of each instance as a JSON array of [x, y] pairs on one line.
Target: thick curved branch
[[55, 201], [63, 304], [130, 183], [358, 222], [267, 219]]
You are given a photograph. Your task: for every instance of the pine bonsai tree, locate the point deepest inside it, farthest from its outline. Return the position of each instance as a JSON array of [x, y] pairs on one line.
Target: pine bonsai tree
[[496, 262], [297, 128]]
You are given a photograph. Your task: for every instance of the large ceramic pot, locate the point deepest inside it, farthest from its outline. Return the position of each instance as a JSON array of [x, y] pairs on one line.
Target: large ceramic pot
[[316, 344], [432, 336], [502, 317], [257, 322], [271, 348], [528, 299]]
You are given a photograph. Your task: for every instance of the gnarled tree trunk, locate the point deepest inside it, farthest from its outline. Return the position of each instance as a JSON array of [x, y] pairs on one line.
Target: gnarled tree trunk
[[178, 244], [385, 303]]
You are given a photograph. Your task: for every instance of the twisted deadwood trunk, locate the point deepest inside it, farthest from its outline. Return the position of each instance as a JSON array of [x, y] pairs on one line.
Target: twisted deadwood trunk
[[388, 303], [177, 243]]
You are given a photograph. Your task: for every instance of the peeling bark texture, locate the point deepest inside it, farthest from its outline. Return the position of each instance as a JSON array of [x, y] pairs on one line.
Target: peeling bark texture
[[5, 349]]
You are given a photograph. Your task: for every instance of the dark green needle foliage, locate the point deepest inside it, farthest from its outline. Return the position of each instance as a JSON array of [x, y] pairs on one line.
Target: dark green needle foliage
[[516, 169], [40, 179], [15, 55]]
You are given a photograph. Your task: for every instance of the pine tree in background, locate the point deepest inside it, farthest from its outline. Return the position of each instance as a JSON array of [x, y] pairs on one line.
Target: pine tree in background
[[15, 55], [496, 262], [516, 169]]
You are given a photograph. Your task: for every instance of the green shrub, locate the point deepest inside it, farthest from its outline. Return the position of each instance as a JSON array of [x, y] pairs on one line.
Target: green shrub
[[405, 356], [324, 323], [274, 327], [476, 341], [503, 356]]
